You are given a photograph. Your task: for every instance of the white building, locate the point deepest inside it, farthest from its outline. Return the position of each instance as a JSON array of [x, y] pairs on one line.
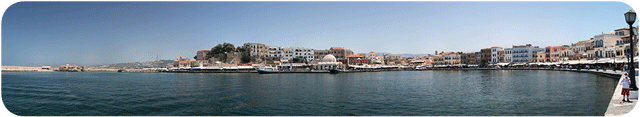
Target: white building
[[327, 63], [300, 52], [508, 56], [525, 53], [605, 40], [276, 51], [495, 54], [291, 52]]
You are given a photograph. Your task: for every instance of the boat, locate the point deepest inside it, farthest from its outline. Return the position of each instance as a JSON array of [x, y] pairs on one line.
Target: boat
[[267, 70], [334, 71]]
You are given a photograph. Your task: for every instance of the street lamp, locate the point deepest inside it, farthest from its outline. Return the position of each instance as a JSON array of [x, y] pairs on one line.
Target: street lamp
[[630, 17]]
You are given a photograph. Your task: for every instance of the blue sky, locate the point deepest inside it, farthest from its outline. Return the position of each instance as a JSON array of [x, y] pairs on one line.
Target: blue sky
[[89, 33]]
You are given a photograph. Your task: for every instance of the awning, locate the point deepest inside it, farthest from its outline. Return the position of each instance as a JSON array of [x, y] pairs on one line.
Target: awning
[[519, 64], [503, 64]]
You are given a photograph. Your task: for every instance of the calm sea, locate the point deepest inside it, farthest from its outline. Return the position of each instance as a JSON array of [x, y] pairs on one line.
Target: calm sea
[[422, 93]]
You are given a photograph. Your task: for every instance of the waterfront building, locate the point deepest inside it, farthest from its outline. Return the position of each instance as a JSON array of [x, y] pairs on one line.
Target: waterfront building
[[276, 52], [525, 53], [590, 54], [582, 46], [552, 53], [70, 67], [287, 54], [202, 53], [507, 55], [392, 58], [302, 53], [318, 54], [328, 62], [291, 52], [622, 45], [478, 58], [257, 50], [604, 52], [469, 58], [375, 58], [451, 58], [182, 61], [417, 61], [356, 59], [541, 56], [340, 52], [567, 54], [485, 57], [496, 54], [437, 60], [624, 31], [603, 41], [622, 49]]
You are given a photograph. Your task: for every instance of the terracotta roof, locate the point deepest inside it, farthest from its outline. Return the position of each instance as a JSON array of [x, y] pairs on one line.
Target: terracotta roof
[[585, 41], [358, 55], [205, 50], [496, 47], [336, 48]]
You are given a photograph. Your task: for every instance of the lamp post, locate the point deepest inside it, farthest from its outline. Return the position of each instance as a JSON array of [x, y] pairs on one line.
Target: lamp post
[[630, 17]]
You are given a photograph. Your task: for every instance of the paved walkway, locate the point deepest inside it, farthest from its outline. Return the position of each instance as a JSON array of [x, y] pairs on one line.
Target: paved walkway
[[616, 108]]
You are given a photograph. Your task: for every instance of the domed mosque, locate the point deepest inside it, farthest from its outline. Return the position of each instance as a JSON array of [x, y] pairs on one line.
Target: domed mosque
[[329, 58], [328, 62]]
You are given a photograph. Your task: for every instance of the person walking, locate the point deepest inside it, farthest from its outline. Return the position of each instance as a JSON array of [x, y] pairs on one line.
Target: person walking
[[625, 87], [624, 68]]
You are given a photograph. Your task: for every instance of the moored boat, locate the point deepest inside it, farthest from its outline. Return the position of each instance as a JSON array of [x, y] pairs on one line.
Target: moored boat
[[267, 70], [334, 71]]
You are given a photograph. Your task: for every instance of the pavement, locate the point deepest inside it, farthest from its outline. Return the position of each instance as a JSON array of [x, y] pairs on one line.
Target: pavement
[[616, 106]]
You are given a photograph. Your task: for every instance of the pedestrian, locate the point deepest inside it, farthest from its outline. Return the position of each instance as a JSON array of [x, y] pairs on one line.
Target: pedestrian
[[625, 87]]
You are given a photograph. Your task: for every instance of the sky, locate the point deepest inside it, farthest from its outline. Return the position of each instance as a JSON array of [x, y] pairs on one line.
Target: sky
[[91, 33]]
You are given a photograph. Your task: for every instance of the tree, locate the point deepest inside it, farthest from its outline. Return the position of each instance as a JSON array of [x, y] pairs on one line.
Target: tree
[[219, 50], [195, 57], [245, 56]]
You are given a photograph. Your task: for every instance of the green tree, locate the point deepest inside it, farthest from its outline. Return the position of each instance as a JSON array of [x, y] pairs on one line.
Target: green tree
[[245, 56], [219, 50]]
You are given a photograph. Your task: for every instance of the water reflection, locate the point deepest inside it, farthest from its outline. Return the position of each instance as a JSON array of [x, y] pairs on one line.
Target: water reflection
[[457, 92]]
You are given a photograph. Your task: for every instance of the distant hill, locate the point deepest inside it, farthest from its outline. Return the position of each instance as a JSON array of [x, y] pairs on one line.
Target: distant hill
[[135, 65]]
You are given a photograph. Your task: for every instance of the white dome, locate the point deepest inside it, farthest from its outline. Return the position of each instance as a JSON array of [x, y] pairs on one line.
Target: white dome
[[329, 58]]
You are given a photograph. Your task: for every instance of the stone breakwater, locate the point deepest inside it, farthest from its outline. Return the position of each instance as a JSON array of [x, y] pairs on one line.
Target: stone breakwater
[[90, 69], [41, 69], [137, 70], [24, 69]]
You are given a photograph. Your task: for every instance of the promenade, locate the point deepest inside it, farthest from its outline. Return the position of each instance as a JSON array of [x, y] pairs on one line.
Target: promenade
[[615, 108]]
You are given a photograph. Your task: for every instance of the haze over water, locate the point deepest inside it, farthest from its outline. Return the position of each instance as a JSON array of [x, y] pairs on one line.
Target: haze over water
[[430, 93]]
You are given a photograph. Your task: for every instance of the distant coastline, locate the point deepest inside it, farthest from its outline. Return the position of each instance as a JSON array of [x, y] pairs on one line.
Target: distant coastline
[[44, 69]]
